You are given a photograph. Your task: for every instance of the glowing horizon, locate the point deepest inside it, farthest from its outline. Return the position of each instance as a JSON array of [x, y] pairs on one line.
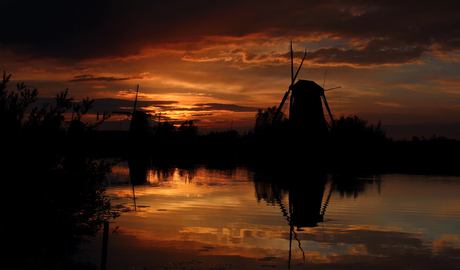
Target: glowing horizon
[[391, 63]]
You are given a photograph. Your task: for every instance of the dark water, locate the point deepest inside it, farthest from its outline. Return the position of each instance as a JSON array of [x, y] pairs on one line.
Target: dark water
[[242, 219]]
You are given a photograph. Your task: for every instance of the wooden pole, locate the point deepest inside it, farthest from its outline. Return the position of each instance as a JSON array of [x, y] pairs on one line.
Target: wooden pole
[[105, 241]]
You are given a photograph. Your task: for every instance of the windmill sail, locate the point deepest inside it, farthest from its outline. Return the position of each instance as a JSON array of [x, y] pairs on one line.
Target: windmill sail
[[280, 107]]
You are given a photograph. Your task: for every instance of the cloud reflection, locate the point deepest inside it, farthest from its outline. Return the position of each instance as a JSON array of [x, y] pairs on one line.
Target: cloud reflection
[[190, 216]]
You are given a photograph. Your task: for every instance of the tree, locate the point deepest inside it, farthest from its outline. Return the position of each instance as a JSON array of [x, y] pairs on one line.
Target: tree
[[165, 129], [13, 105], [188, 129], [266, 122], [356, 145], [61, 184], [354, 129]]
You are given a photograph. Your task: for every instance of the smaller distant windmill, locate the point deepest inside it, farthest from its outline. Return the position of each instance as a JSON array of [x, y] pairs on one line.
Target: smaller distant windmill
[[139, 127], [306, 104]]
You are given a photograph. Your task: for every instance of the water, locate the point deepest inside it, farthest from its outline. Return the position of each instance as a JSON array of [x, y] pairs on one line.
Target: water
[[199, 218]]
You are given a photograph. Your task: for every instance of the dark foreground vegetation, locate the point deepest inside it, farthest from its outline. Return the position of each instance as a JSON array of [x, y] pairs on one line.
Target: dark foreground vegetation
[[52, 182]]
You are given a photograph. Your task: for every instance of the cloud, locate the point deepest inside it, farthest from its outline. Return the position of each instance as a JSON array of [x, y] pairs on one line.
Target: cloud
[[392, 104], [112, 104], [92, 78], [202, 114], [226, 107], [204, 109], [366, 56], [393, 32]]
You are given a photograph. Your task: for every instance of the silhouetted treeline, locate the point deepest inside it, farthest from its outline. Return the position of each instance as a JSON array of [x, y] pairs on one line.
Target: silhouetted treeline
[[186, 145], [436, 155], [52, 182], [351, 145], [354, 145]]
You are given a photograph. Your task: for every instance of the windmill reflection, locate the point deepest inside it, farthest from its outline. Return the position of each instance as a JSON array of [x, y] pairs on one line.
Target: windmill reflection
[[141, 169], [308, 196], [306, 208], [306, 205], [138, 170]]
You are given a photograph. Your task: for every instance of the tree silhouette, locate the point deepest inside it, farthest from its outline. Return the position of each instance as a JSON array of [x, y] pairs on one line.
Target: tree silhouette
[[266, 122], [356, 129], [188, 129], [13, 105], [60, 182]]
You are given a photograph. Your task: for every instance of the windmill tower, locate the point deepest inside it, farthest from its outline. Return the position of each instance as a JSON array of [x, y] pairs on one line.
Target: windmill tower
[[139, 130], [306, 113]]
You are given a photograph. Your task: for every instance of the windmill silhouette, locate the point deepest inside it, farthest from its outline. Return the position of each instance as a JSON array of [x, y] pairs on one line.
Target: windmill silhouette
[[306, 104], [139, 129]]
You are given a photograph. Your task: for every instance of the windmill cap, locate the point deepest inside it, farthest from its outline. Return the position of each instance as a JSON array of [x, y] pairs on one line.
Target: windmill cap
[[310, 86], [140, 114]]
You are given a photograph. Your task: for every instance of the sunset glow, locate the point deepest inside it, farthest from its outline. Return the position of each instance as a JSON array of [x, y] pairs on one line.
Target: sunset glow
[[216, 63]]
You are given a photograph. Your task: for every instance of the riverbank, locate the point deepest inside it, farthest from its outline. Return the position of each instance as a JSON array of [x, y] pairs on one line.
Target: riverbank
[[418, 156]]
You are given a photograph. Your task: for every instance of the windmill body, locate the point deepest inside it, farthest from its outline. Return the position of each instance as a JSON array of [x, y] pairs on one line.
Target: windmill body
[[306, 109], [139, 130], [139, 127]]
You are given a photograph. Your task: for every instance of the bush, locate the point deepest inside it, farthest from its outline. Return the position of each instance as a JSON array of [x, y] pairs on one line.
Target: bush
[[58, 186]]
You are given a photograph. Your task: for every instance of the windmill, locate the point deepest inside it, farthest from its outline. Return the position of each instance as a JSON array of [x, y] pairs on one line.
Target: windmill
[[139, 128], [306, 104]]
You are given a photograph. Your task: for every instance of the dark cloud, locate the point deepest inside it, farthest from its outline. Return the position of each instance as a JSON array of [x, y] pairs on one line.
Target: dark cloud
[[112, 104], [92, 78], [366, 56], [226, 107], [108, 104], [399, 31], [202, 114]]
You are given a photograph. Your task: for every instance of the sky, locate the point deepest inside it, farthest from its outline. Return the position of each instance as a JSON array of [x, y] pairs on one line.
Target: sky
[[218, 62]]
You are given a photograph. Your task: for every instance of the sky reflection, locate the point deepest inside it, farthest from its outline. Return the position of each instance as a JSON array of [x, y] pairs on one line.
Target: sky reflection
[[204, 219]]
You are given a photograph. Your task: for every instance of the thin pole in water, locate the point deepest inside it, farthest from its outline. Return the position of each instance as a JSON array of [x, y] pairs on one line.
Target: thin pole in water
[[105, 241]]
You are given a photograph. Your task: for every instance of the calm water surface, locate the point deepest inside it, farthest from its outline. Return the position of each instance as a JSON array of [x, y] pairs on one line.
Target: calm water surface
[[243, 219]]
